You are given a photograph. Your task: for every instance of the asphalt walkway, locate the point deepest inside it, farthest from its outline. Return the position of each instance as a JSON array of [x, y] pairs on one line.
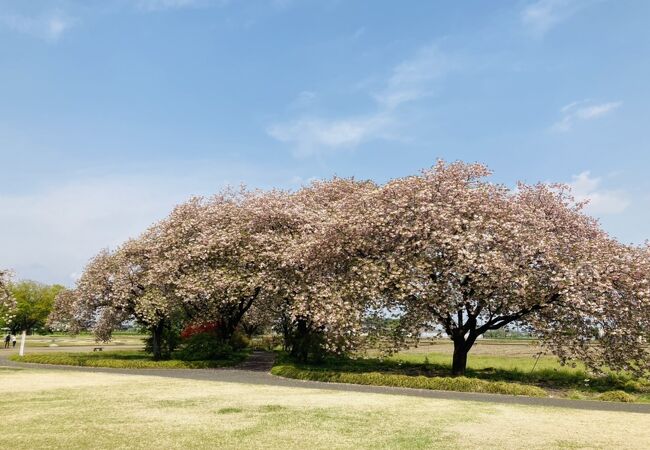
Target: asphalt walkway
[[256, 371]]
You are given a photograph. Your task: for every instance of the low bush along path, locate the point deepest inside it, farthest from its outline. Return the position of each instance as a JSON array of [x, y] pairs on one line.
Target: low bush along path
[[256, 371]]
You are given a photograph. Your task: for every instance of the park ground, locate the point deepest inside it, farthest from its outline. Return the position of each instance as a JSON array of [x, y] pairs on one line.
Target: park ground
[[50, 408], [500, 366], [53, 408]]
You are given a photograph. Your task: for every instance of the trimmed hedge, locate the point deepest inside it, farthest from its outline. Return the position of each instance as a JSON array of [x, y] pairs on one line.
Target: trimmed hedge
[[460, 384]]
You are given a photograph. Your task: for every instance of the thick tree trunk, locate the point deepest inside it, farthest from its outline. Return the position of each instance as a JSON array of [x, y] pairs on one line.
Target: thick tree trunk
[[156, 341], [298, 337], [459, 363], [233, 318]]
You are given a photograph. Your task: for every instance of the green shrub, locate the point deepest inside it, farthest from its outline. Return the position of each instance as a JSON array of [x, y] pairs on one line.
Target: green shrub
[[170, 340], [239, 340], [461, 384], [204, 346], [617, 396]]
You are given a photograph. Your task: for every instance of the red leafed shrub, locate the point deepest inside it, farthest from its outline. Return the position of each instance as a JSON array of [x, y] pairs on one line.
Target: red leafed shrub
[[199, 328]]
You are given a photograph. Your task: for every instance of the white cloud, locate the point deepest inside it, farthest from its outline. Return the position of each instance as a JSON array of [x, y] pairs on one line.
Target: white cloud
[[48, 27], [409, 81], [601, 201], [541, 16], [412, 79], [581, 111], [298, 181], [50, 234], [312, 135]]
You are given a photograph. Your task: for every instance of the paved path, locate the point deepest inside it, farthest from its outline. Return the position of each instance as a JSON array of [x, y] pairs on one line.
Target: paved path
[[258, 361], [256, 372]]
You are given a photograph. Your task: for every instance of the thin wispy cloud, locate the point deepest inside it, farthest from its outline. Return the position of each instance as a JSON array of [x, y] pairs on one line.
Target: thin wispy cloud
[[309, 136], [540, 16], [580, 111], [50, 27], [409, 81], [303, 100], [170, 5], [600, 201], [413, 79]]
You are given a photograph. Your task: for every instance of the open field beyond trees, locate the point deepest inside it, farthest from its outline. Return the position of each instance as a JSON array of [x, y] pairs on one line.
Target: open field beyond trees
[[83, 340], [98, 410]]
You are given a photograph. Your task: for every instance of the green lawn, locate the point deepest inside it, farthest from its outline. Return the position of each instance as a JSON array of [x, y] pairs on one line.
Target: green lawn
[[64, 410], [123, 360], [497, 366], [503, 367]]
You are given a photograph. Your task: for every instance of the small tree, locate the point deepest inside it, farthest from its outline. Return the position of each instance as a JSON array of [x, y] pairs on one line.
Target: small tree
[[34, 302], [116, 287]]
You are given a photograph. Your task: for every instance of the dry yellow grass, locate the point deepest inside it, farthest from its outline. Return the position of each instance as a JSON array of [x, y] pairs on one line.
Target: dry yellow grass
[[56, 409]]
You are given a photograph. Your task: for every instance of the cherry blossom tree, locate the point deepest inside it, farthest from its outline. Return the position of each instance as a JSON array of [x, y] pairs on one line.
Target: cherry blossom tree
[[323, 311], [209, 256], [454, 250], [613, 309], [115, 287], [7, 302], [444, 248]]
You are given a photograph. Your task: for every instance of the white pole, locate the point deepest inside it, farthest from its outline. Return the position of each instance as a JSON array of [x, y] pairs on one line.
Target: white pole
[[22, 343]]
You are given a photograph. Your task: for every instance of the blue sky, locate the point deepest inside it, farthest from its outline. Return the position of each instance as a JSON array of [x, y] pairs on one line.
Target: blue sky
[[112, 111]]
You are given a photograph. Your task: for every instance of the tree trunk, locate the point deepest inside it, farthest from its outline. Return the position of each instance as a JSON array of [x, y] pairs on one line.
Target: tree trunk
[[459, 363], [156, 341], [285, 323], [299, 341], [233, 318]]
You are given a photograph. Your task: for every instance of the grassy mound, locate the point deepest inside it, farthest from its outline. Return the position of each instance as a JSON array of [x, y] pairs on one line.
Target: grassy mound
[[124, 360], [460, 384], [617, 396]]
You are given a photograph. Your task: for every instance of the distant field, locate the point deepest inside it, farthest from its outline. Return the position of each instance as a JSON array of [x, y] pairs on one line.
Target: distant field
[[499, 354], [65, 410], [66, 340]]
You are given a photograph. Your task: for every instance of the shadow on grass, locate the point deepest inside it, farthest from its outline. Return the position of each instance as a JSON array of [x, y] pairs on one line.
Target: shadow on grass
[[560, 379]]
